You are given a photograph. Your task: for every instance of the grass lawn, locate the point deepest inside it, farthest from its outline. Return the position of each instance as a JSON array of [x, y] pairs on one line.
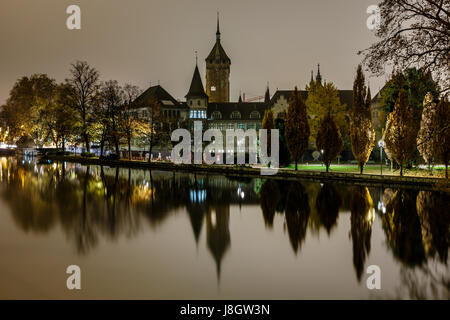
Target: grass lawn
[[438, 171]]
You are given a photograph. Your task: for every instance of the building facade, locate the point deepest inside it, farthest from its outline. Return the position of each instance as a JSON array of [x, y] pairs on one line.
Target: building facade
[[211, 104]]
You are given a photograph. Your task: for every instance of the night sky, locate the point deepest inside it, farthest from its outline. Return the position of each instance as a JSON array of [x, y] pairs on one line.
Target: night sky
[[146, 41]]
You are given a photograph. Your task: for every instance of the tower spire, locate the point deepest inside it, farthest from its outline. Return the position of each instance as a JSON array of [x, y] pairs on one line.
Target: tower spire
[[218, 28], [312, 76], [267, 94], [318, 77]]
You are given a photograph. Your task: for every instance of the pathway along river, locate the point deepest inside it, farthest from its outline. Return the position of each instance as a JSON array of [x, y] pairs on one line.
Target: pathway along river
[[165, 235]]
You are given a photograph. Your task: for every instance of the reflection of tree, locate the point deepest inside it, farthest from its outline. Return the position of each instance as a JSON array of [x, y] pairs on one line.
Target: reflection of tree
[[328, 202], [29, 200], [432, 209], [218, 233], [362, 215], [91, 202], [402, 227], [430, 281], [297, 214], [269, 196], [196, 208]]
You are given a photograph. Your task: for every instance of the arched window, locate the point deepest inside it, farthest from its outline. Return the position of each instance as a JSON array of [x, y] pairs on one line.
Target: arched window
[[235, 115], [216, 115], [255, 115]]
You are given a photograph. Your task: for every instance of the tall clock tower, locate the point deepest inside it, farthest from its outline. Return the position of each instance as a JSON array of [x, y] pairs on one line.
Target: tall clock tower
[[218, 72]]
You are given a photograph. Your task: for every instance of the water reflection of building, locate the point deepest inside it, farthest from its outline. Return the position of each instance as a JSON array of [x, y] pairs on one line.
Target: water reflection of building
[[91, 204], [218, 233]]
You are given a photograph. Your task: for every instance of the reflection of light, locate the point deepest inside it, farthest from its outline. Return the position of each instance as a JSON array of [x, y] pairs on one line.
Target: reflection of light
[[370, 215], [240, 193], [197, 196], [381, 207], [213, 218]]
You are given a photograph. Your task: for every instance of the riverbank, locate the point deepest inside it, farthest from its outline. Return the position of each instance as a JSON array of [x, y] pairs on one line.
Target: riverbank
[[247, 171]]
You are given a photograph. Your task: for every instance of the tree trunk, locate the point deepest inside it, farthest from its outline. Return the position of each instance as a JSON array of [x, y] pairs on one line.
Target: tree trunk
[[446, 171], [116, 143], [102, 146], [361, 168], [401, 170], [86, 143], [327, 165], [129, 149], [295, 165], [150, 151]]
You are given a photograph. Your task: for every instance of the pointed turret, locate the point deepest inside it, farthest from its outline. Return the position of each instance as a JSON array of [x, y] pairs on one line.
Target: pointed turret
[[318, 77], [196, 89], [218, 29], [267, 95]]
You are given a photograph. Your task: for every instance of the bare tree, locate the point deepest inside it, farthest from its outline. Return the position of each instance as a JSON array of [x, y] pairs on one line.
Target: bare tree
[[84, 81], [130, 123], [112, 99], [154, 132], [413, 33]]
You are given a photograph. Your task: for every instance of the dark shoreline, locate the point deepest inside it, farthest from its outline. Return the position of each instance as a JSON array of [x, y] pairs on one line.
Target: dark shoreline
[[245, 171]]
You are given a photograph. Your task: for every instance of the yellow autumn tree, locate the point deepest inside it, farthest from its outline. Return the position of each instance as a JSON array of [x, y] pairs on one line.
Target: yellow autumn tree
[[362, 132], [321, 99], [400, 136]]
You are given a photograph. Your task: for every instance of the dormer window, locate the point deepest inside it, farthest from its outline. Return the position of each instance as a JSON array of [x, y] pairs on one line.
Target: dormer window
[[255, 115], [235, 115], [216, 115]]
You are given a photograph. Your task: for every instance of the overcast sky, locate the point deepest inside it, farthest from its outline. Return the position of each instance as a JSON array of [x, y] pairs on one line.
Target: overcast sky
[[146, 41]]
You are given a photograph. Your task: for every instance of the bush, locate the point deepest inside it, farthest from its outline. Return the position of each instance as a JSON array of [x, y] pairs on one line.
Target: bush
[[111, 156], [88, 154], [63, 153]]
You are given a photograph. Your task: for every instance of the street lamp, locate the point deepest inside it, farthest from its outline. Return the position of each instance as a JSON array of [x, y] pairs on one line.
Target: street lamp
[[381, 145]]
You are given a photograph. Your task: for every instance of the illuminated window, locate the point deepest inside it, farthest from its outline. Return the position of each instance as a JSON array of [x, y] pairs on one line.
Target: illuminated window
[[213, 88]]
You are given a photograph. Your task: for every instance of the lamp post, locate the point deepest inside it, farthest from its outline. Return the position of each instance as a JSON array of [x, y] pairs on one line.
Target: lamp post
[[381, 145]]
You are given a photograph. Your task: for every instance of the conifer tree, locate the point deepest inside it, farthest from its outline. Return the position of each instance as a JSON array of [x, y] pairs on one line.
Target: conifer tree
[[442, 132], [268, 123], [425, 137], [362, 132], [329, 140], [297, 128], [400, 137]]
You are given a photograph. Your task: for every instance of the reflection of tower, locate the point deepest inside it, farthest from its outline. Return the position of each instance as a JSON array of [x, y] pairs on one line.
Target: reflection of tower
[[218, 233], [218, 72], [197, 207], [196, 215]]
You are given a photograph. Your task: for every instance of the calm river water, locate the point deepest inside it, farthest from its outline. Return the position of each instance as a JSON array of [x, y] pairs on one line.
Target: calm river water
[[165, 235]]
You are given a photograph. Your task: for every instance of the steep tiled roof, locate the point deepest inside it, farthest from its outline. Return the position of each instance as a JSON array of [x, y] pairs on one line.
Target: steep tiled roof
[[159, 94], [245, 109], [196, 88], [346, 96], [218, 54]]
